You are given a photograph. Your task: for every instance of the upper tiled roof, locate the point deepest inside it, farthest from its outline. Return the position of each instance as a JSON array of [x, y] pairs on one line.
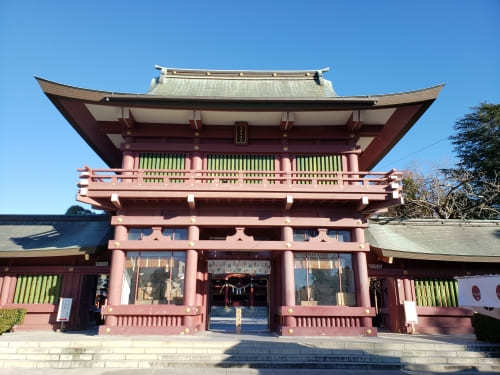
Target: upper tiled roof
[[455, 240], [241, 83], [47, 235]]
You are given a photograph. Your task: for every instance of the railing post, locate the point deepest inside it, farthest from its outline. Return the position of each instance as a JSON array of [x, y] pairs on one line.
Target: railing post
[[353, 167], [197, 166], [286, 167], [128, 164]]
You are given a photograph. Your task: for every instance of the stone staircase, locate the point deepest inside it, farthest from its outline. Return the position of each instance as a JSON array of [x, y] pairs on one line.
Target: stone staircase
[[386, 352], [254, 319]]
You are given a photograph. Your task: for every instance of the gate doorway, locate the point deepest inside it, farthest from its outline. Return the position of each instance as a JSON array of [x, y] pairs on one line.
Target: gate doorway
[[247, 291]]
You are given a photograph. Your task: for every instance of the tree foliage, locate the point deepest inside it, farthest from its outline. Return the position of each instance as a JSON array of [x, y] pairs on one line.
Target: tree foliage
[[477, 141], [472, 189], [79, 211], [449, 194]]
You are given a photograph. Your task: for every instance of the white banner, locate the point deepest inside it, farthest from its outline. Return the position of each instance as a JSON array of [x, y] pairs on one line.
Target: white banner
[[479, 291]]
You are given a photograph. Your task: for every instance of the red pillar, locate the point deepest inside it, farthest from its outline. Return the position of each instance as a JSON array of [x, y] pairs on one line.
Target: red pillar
[[4, 294], [288, 275], [190, 275], [116, 273], [362, 282]]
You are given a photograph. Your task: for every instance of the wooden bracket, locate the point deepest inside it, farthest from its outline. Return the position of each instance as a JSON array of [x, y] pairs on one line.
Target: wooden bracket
[[239, 235], [195, 120], [287, 120], [288, 202], [354, 122], [115, 199], [363, 203], [191, 201], [127, 119]]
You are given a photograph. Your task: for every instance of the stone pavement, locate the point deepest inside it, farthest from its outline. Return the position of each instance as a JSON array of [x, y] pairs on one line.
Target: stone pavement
[[219, 371]]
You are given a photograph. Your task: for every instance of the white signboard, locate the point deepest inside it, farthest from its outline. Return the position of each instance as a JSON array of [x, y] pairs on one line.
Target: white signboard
[[64, 310], [479, 291], [410, 312]]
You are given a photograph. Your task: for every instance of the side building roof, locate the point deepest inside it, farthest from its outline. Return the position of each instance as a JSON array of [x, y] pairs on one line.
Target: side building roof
[[53, 235], [434, 239]]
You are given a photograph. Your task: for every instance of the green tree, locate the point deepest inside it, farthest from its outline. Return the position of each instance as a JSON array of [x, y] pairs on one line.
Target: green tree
[[477, 141], [78, 210], [472, 189]]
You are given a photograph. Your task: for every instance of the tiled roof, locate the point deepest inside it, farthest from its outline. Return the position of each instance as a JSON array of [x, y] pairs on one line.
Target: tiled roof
[[455, 240], [241, 84], [32, 235]]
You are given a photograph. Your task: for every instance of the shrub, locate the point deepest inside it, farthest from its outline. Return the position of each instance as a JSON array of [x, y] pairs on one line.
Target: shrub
[[10, 317], [486, 328]]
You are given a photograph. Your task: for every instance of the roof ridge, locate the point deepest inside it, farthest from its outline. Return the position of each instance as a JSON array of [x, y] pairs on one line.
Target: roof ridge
[[51, 217], [435, 221], [166, 70]]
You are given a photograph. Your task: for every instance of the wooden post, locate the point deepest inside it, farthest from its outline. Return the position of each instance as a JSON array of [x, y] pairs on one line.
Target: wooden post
[[362, 282], [190, 275], [288, 272], [4, 294]]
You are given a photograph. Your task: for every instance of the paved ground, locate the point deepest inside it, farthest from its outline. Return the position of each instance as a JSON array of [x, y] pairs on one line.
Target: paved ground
[[216, 336], [212, 371]]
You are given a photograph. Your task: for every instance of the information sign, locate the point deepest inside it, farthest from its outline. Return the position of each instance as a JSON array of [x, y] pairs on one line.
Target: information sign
[[411, 316], [64, 310]]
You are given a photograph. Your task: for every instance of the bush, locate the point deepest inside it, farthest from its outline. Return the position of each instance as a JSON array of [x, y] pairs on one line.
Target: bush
[[10, 317], [486, 328]]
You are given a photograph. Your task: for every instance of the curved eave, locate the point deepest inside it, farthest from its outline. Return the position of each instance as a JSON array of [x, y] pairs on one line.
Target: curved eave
[[389, 253], [410, 106], [205, 102]]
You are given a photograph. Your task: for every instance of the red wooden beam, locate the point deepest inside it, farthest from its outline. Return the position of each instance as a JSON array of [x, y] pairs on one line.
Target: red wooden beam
[[223, 218], [331, 246]]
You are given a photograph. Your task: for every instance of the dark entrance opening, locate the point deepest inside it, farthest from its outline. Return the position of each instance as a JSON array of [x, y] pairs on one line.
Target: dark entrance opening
[[229, 292]]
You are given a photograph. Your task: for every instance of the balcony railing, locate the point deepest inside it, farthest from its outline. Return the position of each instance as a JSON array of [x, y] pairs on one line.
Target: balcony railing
[[169, 180]]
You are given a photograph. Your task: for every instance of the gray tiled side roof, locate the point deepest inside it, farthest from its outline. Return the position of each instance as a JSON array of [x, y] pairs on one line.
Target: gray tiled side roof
[[429, 239], [23, 235], [241, 84]]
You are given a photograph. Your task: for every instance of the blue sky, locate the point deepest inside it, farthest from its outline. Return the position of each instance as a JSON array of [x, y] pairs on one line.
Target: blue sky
[[372, 47]]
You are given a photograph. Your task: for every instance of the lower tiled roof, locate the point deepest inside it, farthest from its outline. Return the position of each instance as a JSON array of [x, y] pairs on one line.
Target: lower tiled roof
[[435, 239], [52, 235]]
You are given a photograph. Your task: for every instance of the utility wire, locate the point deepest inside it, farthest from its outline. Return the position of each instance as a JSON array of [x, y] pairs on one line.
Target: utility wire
[[417, 151]]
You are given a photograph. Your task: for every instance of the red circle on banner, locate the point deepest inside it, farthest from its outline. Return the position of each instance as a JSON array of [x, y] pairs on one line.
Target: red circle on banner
[[476, 292], [498, 291]]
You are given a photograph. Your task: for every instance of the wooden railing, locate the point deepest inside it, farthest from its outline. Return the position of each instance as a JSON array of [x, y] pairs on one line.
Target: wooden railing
[[167, 177], [326, 320], [153, 319]]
